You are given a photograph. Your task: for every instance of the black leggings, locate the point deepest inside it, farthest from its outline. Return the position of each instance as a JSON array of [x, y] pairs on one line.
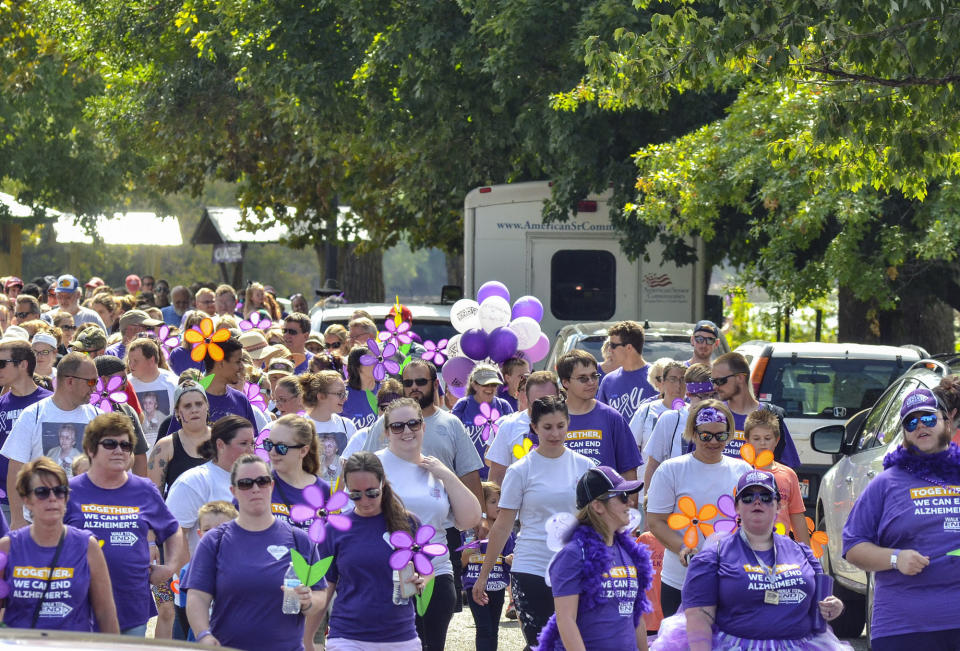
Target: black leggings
[[487, 619], [432, 627], [670, 599], [534, 603]]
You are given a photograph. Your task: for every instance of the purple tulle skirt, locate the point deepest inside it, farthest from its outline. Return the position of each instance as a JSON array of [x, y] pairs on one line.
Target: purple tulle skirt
[[672, 636]]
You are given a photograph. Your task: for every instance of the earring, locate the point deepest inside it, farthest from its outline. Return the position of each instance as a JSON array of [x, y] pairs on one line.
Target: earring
[[738, 520]]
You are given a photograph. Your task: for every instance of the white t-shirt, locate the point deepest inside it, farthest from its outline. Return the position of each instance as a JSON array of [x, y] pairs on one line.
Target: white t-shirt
[[703, 482], [162, 388], [193, 489], [537, 488], [423, 495], [342, 429], [37, 431], [643, 421], [355, 444], [511, 430], [666, 442]]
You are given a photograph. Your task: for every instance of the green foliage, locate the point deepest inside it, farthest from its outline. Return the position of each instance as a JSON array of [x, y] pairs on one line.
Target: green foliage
[[749, 321]]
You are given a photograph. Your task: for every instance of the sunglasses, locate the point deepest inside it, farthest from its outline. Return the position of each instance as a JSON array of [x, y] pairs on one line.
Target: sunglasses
[[705, 340], [43, 492], [291, 331], [22, 315], [748, 498], [623, 497], [414, 425], [706, 437], [613, 345], [335, 344], [67, 327], [262, 481], [112, 444], [720, 381], [282, 448], [372, 493], [928, 420], [420, 382], [4, 362], [587, 379], [90, 383]]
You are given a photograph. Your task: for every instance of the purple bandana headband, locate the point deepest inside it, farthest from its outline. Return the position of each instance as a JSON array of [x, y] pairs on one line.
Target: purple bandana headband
[[711, 415], [694, 388]]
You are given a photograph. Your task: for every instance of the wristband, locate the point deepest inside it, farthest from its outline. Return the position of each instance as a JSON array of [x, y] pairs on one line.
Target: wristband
[[202, 634], [152, 543]]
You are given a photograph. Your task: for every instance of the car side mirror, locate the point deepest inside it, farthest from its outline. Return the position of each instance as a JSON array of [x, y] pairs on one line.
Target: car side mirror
[[828, 439]]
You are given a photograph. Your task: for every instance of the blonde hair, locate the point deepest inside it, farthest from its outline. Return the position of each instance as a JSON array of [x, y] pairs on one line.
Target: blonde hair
[[304, 432], [591, 518], [313, 384], [216, 508]]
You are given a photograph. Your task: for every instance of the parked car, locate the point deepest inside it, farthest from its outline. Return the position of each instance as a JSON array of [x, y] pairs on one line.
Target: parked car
[[661, 339], [859, 446], [820, 384], [430, 322]]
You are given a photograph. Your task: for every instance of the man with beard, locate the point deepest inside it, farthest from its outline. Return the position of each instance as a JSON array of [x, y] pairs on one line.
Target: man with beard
[[705, 339]]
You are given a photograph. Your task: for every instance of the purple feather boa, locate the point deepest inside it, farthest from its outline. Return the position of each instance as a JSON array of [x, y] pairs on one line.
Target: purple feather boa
[[943, 465], [597, 558]]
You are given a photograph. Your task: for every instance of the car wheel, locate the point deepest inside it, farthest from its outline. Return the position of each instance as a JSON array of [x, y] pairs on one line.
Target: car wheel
[[850, 622]]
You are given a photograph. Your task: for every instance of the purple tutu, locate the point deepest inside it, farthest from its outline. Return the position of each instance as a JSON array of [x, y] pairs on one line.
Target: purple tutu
[[672, 636]]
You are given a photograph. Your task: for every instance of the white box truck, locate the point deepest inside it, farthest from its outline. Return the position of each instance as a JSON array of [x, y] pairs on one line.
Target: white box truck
[[577, 267]]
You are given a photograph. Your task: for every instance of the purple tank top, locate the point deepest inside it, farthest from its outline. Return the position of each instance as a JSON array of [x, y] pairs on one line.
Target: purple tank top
[[67, 604]]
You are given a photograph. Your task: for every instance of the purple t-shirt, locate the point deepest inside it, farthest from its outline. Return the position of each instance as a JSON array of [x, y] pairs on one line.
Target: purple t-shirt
[[180, 361], [785, 453], [302, 368], [285, 496], [116, 350], [364, 608], [903, 511], [232, 402], [603, 436], [733, 581], [121, 518], [625, 390], [609, 626], [244, 570], [10, 408], [357, 407], [67, 605], [499, 577], [504, 395], [466, 409]]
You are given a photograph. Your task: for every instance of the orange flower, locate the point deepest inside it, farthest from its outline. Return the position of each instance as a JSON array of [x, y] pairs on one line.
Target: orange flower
[[817, 539], [749, 454], [520, 451], [205, 341], [690, 518]]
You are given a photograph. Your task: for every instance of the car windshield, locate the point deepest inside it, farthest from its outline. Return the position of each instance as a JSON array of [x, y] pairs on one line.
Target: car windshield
[[827, 388], [427, 330]]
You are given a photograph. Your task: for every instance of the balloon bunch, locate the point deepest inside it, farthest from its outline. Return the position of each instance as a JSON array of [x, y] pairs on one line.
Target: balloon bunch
[[491, 330]]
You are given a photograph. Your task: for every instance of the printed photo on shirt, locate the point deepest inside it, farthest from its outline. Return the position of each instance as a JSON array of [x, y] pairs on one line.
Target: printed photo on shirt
[[61, 442], [156, 408]]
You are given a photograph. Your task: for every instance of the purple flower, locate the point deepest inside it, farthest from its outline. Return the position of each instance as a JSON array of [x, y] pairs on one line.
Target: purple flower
[[488, 419], [319, 510], [166, 340], [396, 335], [106, 396], [253, 394], [258, 444], [434, 352], [256, 320], [380, 360], [727, 508], [417, 548]]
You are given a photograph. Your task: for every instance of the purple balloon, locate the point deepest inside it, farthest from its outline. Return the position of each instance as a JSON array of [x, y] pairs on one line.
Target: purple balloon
[[493, 288], [501, 344], [455, 373], [527, 306], [473, 343], [539, 350]]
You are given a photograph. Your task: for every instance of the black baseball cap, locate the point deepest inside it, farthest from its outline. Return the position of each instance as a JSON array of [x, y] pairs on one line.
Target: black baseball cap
[[599, 481]]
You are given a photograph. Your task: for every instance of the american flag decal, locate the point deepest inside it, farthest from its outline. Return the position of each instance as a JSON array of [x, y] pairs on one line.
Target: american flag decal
[[653, 280]]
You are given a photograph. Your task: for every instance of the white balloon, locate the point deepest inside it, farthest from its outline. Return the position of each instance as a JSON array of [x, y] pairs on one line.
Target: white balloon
[[527, 331], [453, 348], [465, 314], [494, 313]]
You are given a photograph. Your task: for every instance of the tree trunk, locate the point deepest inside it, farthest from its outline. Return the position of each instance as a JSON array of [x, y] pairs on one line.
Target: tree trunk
[[361, 276], [454, 269], [921, 318]]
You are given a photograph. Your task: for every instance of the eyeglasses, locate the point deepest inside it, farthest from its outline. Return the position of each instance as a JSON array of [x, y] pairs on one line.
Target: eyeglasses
[[748, 498], [706, 437], [372, 493], [112, 444], [282, 448], [335, 344], [41, 353], [420, 382], [623, 497], [705, 340], [587, 379], [4, 362], [414, 425], [262, 481], [720, 381], [616, 345], [291, 331], [43, 492], [23, 315], [340, 394], [928, 420], [90, 383]]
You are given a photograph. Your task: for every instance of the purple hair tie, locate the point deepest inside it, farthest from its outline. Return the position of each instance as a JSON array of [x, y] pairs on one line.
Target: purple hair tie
[[710, 415], [694, 388]]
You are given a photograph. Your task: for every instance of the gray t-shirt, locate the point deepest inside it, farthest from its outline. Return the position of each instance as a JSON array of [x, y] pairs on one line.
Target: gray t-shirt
[[443, 437]]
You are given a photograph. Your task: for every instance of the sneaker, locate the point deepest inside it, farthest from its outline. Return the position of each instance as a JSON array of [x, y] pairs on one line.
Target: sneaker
[[511, 611]]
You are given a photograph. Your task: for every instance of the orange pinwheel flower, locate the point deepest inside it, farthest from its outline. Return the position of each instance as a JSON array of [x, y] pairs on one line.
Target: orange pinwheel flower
[[749, 454], [692, 519], [205, 341], [817, 538]]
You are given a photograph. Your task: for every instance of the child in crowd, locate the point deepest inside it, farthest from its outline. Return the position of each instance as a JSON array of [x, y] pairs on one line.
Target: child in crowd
[[762, 431], [81, 464], [653, 619], [210, 516], [487, 618]]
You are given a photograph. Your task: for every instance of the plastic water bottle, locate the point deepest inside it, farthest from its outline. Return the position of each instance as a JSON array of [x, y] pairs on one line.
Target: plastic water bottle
[[291, 602], [398, 597]]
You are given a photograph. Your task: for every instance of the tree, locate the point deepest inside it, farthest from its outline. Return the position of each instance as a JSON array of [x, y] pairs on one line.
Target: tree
[[835, 164]]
